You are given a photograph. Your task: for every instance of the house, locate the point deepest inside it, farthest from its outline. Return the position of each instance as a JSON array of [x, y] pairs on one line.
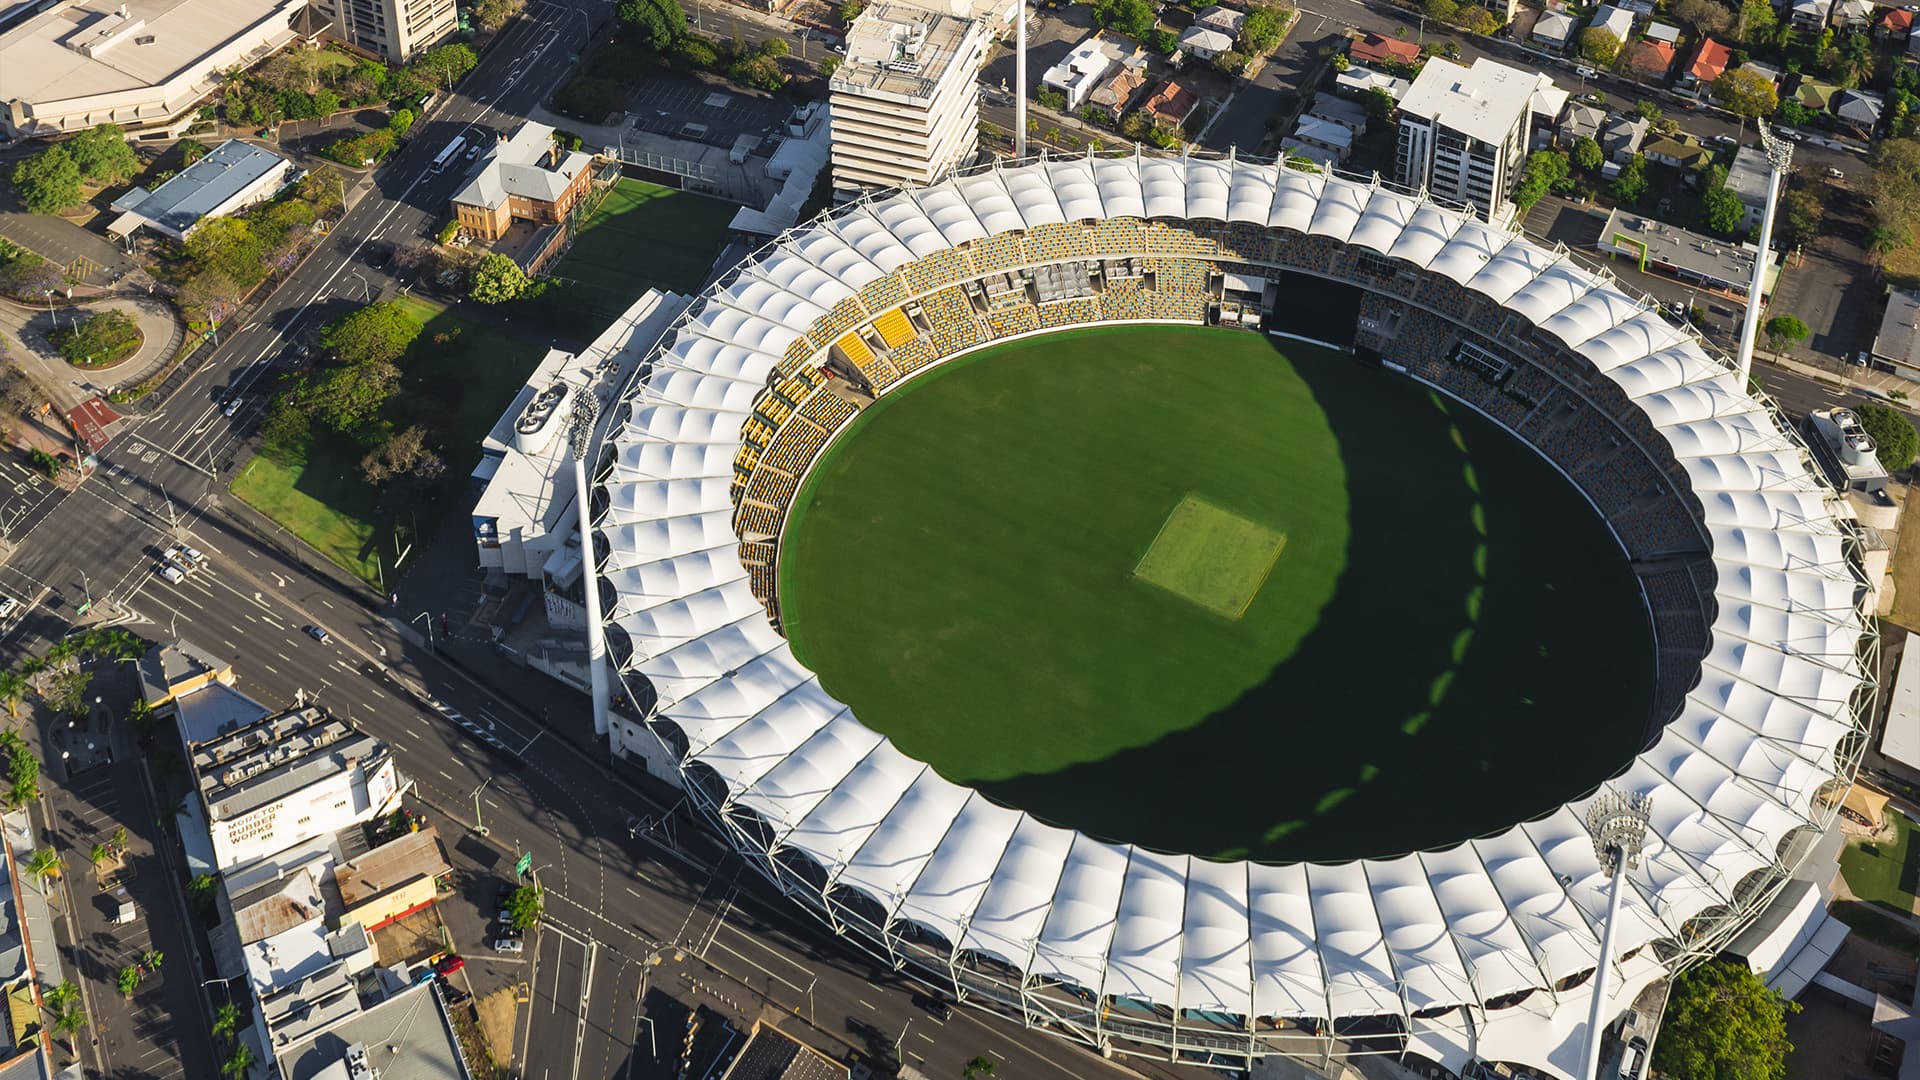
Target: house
[[1810, 14], [1895, 24], [1113, 96], [1315, 133], [1553, 29], [1620, 137], [1358, 80], [1897, 345], [1708, 62], [1747, 178], [1858, 112], [1205, 42], [1765, 71], [1851, 15], [525, 177], [1223, 19], [1666, 35], [1617, 21], [1171, 104], [1376, 49], [1817, 96], [1677, 151], [230, 178], [1581, 121], [1340, 111], [1648, 61], [1089, 65]]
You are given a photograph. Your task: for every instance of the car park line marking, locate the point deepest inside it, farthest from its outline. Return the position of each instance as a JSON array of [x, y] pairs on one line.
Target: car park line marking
[[867, 1003], [270, 667]]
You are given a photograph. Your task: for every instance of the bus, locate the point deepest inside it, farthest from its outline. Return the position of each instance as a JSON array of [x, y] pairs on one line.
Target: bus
[[447, 155]]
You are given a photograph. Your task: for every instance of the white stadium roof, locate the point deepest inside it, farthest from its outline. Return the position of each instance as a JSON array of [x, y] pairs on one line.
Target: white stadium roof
[[1731, 776]]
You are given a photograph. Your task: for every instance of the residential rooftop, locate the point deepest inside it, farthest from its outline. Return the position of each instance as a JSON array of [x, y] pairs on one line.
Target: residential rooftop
[[1483, 102], [1899, 337]]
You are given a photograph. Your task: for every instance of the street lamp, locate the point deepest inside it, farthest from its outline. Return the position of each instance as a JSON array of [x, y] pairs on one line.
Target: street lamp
[[478, 828], [1618, 826], [429, 617]]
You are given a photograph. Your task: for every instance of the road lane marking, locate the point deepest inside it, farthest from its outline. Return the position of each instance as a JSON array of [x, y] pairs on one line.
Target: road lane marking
[[443, 772], [867, 1003]]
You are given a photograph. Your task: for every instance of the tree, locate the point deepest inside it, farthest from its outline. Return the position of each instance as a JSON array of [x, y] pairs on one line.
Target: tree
[[23, 769], [1723, 1023], [1797, 218], [498, 279], [61, 998], [525, 907], [192, 150], [1475, 19], [1886, 239], [44, 863], [202, 888], [226, 1021], [404, 455], [1895, 440], [1600, 45], [97, 855], [1707, 17], [978, 1067], [444, 65], [1785, 330], [1260, 32], [1856, 63], [1647, 110], [12, 686], [1586, 154], [127, 979], [25, 275], [237, 1065], [1722, 212], [103, 155], [326, 103], [656, 24], [1631, 185], [1757, 22], [757, 73], [349, 397], [1133, 18], [850, 10], [49, 181], [1378, 103], [228, 246], [377, 333], [152, 959], [1746, 94], [489, 15], [1544, 168]]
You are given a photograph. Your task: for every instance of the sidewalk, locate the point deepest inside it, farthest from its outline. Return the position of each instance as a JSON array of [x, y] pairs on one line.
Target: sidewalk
[[28, 325]]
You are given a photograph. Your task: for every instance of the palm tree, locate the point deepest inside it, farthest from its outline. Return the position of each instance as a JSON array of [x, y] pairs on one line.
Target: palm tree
[[68, 1024], [61, 998], [43, 864], [239, 1063], [98, 854], [152, 959], [226, 1021], [13, 686], [118, 841], [127, 979]]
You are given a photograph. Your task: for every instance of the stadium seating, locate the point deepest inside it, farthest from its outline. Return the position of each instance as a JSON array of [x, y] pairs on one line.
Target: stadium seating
[[756, 554], [884, 292], [1020, 319], [914, 355], [1084, 309], [941, 268], [1058, 243], [1002, 252], [1179, 289], [1123, 300], [894, 328]]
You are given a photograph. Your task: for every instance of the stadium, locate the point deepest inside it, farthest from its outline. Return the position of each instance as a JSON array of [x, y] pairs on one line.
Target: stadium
[[1477, 944]]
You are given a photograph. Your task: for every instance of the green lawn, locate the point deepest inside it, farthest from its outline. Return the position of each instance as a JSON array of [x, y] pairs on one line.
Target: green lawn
[[645, 236], [456, 385], [1885, 873], [1448, 640]]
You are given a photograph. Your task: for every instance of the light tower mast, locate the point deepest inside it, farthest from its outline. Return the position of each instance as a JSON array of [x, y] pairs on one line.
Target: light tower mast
[[581, 422], [1618, 825], [1779, 157]]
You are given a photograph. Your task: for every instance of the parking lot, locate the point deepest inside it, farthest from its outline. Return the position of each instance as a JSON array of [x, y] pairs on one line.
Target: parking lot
[[704, 111]]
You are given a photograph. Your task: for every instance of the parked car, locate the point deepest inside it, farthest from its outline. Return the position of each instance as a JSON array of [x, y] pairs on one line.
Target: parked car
[[1585, 72], [448, 965], [511, 945], [319, 634], [1835, 173], [170, 572], [7, 605], [934, 1005], [1726, 140]]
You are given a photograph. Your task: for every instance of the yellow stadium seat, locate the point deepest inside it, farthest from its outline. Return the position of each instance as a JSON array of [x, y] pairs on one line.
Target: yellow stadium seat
[[855, 348], [894, 328]]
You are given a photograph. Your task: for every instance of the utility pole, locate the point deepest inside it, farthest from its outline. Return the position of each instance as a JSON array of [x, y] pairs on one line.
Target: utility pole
[[1618, 826], [1779, 156], [478, 828]]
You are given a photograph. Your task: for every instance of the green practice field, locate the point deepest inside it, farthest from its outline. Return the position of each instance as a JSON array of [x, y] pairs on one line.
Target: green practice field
[[1180, 587], [645, 236]]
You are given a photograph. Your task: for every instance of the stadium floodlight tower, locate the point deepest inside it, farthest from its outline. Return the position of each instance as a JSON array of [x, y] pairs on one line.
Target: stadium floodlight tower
[[1779, 156], [1618, 825], [586, 412], [1019, 80]]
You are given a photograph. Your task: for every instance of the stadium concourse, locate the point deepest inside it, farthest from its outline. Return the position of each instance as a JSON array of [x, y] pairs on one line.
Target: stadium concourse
[[1483, 951]]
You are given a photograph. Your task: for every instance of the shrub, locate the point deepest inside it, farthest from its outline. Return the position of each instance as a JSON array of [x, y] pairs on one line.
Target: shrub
[[103, 338], [590, 98]]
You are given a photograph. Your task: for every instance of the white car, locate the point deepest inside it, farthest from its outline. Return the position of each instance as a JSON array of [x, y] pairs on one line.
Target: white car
[[7, 606], [1835, 174], [509, 945], [170, 572]]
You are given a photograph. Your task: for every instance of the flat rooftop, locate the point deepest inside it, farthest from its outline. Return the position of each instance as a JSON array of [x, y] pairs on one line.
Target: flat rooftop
[[903, 49], [393, 864], [1484, 101], [263, 762], [205, 186], [407, 1037], [1899, 337], [1671, 245], [41, 58]]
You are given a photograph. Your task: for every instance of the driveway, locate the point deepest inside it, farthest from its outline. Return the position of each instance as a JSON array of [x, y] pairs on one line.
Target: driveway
[[1832, 287]]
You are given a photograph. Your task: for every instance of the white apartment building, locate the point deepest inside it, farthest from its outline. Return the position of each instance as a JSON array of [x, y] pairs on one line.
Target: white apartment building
[[287, 778], [142, 64], [392, 29], [906, 99], [1464, 132]]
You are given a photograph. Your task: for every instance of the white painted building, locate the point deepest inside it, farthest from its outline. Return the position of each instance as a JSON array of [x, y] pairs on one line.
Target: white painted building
[[1464, 132], [393, 29], [1090, 64], [142, 64], [232, 177], [906, 98]]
